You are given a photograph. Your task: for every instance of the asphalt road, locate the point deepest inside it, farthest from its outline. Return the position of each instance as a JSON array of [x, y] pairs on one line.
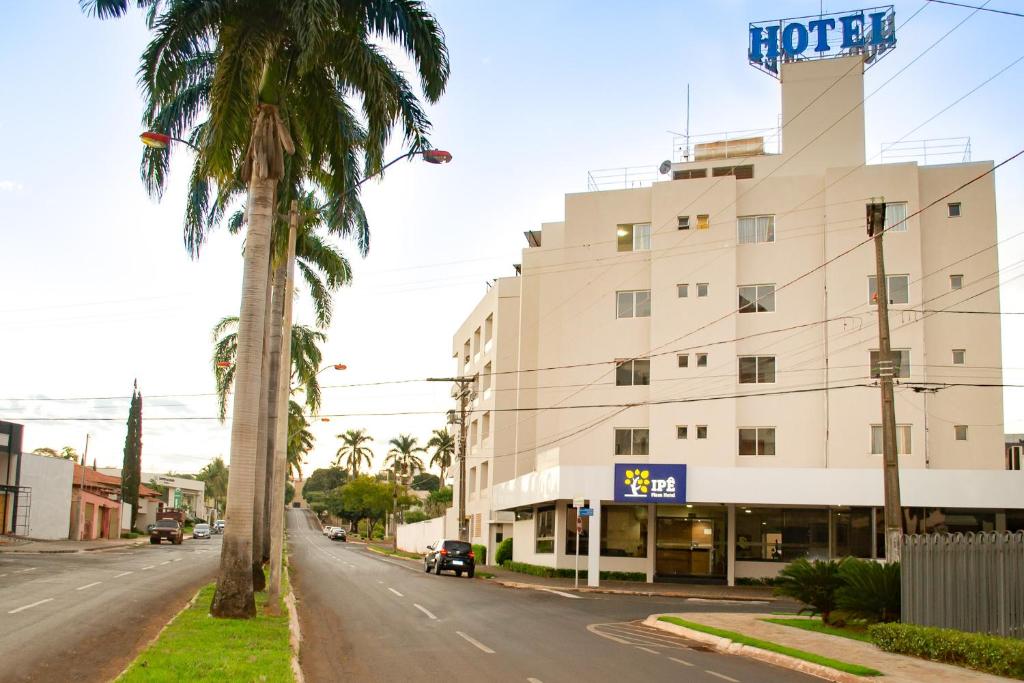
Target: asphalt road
[[83, 616], [369, 618]]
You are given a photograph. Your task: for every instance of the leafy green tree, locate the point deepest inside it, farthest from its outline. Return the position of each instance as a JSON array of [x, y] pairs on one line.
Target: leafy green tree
[[131, 467], [364, 498], [425, 481], [353, 451], [46, 452], [323, 480], [443, 444], [438, 501], [215, 475], [69, 453]]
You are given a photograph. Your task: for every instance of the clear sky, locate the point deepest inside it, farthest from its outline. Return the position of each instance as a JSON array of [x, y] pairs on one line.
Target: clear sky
[[96, 288]]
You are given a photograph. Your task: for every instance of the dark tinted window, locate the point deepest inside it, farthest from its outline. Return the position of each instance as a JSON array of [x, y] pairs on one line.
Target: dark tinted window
[[457, 546], [167, 524]]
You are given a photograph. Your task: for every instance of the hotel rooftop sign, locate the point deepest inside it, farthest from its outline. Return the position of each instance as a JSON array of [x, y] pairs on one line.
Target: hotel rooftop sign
[[870, 32]]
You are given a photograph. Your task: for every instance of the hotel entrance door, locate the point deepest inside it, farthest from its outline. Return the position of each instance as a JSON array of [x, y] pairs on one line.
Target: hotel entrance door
[[690, 543]]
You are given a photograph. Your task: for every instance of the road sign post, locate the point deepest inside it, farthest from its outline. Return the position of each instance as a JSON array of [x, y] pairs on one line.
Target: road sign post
[[579, 528]]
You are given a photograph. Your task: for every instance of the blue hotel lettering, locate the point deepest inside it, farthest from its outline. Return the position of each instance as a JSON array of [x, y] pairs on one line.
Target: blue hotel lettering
[[764, 42]]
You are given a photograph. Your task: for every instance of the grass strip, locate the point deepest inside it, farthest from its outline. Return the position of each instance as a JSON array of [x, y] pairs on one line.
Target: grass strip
[[393, 553], [855, 669], [197, 647], [484, 575], [818, 627]]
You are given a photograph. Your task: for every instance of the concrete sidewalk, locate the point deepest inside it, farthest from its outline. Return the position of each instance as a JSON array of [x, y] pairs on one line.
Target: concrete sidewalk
[[895, 668], [24, 545]]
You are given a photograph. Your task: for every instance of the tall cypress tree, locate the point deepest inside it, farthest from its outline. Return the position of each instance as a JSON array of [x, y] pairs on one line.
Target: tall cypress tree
[[131, 466]]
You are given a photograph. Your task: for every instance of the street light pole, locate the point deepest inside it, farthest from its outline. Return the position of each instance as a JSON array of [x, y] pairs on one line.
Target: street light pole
[[890, 457], [465, 396]]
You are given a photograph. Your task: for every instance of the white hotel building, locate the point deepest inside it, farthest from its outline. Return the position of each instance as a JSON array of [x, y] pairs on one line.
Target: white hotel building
[[745, 358]]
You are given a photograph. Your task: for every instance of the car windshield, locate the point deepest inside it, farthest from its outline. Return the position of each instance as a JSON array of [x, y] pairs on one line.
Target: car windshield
[[457, 546], [202, 527], [167, 524]]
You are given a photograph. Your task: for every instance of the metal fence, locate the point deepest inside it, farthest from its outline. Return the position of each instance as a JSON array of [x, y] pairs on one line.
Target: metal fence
[[969, 582]]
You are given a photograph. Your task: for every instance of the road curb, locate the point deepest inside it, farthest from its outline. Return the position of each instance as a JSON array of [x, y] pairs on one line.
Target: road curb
[[295, 637], [620, 591], [729, 647]]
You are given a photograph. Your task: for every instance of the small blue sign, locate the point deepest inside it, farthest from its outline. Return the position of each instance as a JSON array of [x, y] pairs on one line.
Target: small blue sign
[[650, 483], [586, 512]]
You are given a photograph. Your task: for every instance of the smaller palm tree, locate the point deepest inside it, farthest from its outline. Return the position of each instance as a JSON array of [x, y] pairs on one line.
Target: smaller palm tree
[[443, 443], [353, 451], [300, 439], [402, 458]]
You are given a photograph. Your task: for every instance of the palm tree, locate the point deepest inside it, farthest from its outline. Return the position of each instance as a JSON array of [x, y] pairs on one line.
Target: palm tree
[[306, 359], [353, 450], [242, 63], [300, 439], [402, 458], [443, 443], [215, 474]]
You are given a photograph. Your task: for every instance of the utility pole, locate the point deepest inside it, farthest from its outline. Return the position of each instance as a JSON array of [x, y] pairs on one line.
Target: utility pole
[[465, 395], [890, 457]]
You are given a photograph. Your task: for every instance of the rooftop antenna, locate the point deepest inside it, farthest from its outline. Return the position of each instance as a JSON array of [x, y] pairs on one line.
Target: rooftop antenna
[[687, 121]]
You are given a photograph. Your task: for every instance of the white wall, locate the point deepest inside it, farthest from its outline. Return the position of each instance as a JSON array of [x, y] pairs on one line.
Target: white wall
[[50, 481], [414, 538]]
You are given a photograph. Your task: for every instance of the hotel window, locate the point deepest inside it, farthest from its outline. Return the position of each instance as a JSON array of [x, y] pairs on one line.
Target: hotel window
[[632, 372], [900, 363], [702, 289], [691, 174], [757, 298], [466, 352], [570, 532], [956, 282], [486, 428], [902, 439], [1013, 458], [635, 237], [488, 328], [545, 530], [757, 369], [959, 356], [703, 221], [960, 432], [757, 440], [784, 534], [474, 428], [898, 285], [745, 172], [681, 431], [472, 479], [632, 442], [702, 360], [633, 304], [683, 359], [486, 380], [755, 229], [683, 291], [953, 210], [896, 216], [476, 341], [702, 431], [684, 222], [623, 530], [484, 475]]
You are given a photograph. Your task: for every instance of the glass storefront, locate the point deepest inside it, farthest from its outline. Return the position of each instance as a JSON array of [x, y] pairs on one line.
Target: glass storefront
[[624, 530], [690, 542], [781, 534]]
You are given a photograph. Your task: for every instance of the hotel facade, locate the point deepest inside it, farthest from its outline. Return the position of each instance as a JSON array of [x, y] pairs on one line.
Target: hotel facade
[[695, 359]]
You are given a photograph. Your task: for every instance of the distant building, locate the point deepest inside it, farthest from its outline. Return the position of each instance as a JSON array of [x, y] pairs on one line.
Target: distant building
[[96, 505], [179, 492], [1014, 451]]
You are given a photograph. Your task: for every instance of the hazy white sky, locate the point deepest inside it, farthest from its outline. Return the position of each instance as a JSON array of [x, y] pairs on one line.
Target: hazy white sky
[[96, 288]]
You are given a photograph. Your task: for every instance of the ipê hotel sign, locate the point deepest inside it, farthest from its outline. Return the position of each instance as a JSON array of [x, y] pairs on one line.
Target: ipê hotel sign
[[870, 32], [650, 483]]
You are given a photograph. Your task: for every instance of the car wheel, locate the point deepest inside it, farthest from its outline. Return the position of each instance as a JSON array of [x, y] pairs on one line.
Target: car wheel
[[471, 572], [437, 567], [426, 567], [458, 572], [154, 541]]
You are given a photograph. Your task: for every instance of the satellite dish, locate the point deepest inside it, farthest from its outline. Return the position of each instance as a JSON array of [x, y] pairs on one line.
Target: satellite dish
[[665, 167]]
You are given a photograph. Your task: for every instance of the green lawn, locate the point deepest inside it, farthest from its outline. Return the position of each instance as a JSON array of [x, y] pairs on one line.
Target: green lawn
[[197, 647], [855, 669], [852, 632], [384, 550]]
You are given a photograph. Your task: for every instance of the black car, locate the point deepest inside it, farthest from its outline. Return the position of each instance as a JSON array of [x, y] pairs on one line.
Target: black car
[[449, 555], [337, 534]]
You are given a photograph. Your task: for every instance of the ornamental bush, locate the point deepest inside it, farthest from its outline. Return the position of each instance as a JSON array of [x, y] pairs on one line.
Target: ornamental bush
[[870, 590], [504, 552], [479, 553], [812, 583], [991, 654]]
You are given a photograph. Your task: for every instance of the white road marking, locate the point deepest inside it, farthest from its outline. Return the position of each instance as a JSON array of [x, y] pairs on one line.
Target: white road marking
[[647, 649], [681, 661], [165, 562], [534, 680], [424, 610], [395, 592], [122, 574], [177, 559], [149, 567], [88, 585], [379, 581], [25, 607], [715, 601], [722, 676], [2, 575], [564, 595], [473, 641], [22, 571]]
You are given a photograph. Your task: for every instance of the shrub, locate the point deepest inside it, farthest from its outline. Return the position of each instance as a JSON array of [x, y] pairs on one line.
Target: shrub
[[130, 534], [812, 583], [414, 516], [504, 552], [870, 590], [991, 654], [758, 581], [553, 573], [480, 553]]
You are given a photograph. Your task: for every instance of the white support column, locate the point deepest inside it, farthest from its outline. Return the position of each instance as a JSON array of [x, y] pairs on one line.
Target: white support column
[[652, 538], [730, 545], [594, 546]]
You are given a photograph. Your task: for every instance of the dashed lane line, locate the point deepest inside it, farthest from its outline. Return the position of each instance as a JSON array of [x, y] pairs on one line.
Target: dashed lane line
[[647, 649], [23, 571], [165, 562], [681, 661], [88, 585], [476, 643], [30, 606], [722, 676], [122, 574], [149, 567], [534, 680], [395, 592], [424, 610]]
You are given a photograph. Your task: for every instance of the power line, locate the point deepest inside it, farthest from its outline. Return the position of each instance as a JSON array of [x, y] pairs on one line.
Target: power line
[[976, 8]]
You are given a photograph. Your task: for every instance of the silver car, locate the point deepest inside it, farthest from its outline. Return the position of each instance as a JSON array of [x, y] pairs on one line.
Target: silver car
[[201, 531]]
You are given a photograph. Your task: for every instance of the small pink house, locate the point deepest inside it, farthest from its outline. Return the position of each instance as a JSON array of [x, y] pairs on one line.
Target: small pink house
[[96, 504]]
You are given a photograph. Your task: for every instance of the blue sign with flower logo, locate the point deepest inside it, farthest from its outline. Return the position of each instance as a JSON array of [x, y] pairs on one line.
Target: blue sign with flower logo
[[650, 483]]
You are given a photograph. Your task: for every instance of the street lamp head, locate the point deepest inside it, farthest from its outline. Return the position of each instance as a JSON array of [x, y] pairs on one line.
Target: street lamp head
[[325, 419], [340, 366], [436, 156], [155, 140], [223, 364]]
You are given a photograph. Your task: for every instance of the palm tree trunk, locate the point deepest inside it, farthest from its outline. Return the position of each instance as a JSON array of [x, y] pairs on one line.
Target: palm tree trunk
[[274, 413], [259, 508], [280, 452], [263, 167]]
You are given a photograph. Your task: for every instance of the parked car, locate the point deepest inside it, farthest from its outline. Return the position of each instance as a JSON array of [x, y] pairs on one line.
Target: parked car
[[218, 526], [169, 529], [450, 555], [327, 531], [201, 531], [337, 534]]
